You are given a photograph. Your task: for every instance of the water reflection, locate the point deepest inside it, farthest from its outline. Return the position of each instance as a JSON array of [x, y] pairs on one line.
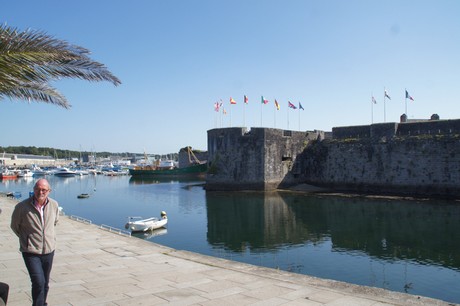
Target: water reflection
[[253, 220], [143, 181], [150, 234], [388, 230], [158, 180]]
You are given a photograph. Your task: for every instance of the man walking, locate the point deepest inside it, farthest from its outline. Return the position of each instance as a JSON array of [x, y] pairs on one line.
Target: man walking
[[34, 221]]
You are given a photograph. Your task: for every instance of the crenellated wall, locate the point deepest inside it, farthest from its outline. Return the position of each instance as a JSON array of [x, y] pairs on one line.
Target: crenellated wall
[[391, 129], [412, 158], [410, 165]]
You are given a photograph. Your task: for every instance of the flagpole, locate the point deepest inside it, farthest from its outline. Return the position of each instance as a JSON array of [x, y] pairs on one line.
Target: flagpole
[[384, 114], [244, 113], [405, 101], [299, 115], [287, 110], [372, 109], [384, 111], [223, 118], [261, 114], [274, 115], [221, 114], [230, 114]]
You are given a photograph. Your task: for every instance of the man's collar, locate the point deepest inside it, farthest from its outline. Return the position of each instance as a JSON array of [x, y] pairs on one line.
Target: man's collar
[[37, 204]]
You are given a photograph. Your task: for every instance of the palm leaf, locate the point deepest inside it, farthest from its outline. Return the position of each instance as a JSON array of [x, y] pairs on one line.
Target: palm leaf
[[29, 60]]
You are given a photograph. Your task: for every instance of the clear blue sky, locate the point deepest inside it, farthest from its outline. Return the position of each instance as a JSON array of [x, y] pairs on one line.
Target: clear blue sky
[[177, 58]]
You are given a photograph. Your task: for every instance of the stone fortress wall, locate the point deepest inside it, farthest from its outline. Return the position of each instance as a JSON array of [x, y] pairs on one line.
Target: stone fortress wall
[[418, 158], [254, 159], [411, 158]]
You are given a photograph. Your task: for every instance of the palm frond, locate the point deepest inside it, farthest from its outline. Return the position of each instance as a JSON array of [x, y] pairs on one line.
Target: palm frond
[[29, 60], [40, 92]]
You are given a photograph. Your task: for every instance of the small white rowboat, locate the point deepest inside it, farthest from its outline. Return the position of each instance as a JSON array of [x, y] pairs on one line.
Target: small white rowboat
[[143, 225]]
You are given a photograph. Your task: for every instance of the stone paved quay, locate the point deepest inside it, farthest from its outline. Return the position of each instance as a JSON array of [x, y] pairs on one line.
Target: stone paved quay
[[97, 267]]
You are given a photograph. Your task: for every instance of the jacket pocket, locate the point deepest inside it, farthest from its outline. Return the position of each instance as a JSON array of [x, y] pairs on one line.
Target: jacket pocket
[[33, 244]]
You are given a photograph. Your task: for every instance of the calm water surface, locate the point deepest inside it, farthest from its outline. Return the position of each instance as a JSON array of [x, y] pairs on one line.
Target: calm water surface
[[406, 246]]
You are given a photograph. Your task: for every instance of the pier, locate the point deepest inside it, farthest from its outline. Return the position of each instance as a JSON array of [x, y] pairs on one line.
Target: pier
[[95, 266]]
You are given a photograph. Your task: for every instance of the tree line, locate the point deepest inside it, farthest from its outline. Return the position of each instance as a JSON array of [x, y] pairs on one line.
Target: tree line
[[69, 154], [57, 153]]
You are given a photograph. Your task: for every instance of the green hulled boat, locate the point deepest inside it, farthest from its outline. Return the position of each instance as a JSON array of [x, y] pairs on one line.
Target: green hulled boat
[[196, 170]]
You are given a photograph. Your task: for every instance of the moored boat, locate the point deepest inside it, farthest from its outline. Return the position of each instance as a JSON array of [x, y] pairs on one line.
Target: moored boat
[[25, 173], [8, 174], [192, 168], [39, 171], [143, 225], [64, 172], [195, 170], [81, 172]]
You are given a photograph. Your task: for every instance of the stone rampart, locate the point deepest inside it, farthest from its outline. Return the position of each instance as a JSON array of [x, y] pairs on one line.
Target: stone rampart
[[415, 166], [255, 159], [418, 158], [439, 127], [389, 130], [413, 158]]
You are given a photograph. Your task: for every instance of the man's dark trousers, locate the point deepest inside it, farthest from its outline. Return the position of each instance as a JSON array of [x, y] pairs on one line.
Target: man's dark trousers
[[39, 267]]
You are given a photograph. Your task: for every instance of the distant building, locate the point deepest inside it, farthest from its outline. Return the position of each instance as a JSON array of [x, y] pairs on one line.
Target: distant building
[[22, 160]]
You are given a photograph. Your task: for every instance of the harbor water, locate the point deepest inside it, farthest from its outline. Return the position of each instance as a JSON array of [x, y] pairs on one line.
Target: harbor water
[[401, 245]]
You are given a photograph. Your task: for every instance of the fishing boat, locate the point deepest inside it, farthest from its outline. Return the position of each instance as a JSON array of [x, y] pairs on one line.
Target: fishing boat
[[137, 224], [194, 168], [8, 174]]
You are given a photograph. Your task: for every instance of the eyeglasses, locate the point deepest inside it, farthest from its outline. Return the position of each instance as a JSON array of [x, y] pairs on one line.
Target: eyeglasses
[[42, 190]]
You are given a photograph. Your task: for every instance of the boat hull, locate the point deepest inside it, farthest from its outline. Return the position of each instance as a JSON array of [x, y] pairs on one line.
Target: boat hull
[[64, 174], [6, 174], [198, 170], [147, 224]]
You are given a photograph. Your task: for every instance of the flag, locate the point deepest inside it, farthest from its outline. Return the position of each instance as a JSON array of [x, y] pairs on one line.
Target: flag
[[373, 100], [277, 105], [216, 106], [301, 107], [246, 99], [291, 105], [263, 100], [224, 111], [408, 96], [386, 94], [232, 101]]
